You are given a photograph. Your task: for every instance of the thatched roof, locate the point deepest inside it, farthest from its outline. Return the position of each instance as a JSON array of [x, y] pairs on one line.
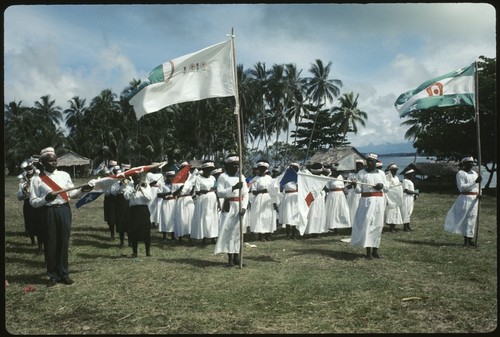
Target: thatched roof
[[345, 155], [72, 159], [433, 169]]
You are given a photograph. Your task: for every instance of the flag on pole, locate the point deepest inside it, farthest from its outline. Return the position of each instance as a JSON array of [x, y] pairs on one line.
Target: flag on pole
[[106, 182], [309, 187], [289, 175], [203, 74], [88, 197], [452, 89]]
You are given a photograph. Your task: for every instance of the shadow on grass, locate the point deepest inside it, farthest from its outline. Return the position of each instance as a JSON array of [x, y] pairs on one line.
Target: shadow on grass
[[105, 243], [337, 255], [428, 243], [193, 262], [39, 279]]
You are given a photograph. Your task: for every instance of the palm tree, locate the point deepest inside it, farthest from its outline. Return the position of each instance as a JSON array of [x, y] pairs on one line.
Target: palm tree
[[259, 81], [75, 113], [295, 96], [348, 115], [276, 100], [48, 110], [320, 89]]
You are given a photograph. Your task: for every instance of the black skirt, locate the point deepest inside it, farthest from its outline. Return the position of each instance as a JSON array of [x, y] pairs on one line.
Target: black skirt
[[140, 223]]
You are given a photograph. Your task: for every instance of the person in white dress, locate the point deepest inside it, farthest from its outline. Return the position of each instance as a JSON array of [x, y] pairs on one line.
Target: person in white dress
[[352, 196], [184, 206], [316, 215], [289, 208], [167, 204], [461, 218], [394, 198], [232, 187], [154, 178], [409, 196], [205, 223], [369, 219], [262, 213], [337, 214]]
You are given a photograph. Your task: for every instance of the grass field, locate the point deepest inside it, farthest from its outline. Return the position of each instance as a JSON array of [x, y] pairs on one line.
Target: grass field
[[426, 282]]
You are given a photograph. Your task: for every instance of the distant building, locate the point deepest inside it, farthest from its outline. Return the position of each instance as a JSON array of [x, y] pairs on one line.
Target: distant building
[[75, 164], [345, 156], [434, 176]]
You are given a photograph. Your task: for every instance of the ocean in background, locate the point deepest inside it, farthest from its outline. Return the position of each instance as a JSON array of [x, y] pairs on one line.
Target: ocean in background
[[403, 161]]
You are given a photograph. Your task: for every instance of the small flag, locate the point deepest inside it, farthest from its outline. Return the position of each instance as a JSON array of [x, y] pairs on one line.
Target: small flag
[[309, 187], [289, 175], [182, 175], [452, 89], [88, 197], [203, 74]]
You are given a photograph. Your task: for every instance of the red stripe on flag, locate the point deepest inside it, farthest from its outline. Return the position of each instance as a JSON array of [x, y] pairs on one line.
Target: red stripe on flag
[[309, 199], [182, 175]]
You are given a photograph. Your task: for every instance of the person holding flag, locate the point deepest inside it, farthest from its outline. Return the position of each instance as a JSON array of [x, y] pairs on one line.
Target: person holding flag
[[262, 213], [232, 187], [394, 199], [461, 218], [369, 219], [352, 196], [316, 215], [289, 210], [153, 178], [182, 187], [139, 195], [337, 213], [46, 192]]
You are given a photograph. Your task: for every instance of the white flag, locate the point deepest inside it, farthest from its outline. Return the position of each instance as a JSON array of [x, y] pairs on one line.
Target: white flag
[[207, 73], [309, 186]]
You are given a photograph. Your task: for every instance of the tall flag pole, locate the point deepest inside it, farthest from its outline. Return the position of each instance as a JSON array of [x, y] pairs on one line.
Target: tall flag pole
[[478, 139], [240, 145]]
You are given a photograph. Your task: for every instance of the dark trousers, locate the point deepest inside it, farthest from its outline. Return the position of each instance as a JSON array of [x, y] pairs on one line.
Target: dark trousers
[[57, 231]]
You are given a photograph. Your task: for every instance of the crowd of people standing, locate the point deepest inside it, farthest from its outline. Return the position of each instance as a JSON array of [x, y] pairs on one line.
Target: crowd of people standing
[[207, 204]]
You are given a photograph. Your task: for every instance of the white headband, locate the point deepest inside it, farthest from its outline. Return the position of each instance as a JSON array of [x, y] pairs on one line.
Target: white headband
[[217, 170], [466, 159], [372, 156], [232, 159], [262, 163], [207, 164]]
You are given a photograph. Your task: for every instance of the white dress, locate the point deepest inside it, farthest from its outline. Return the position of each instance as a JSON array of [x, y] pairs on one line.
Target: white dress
[[183, 210], [262, 214], [394, 200], [205, 221], [229, 233], [352, 198], [461, 218], [408, 200], [369, 219], [289, 208], [167, 204], [154, 203], [337, 213]]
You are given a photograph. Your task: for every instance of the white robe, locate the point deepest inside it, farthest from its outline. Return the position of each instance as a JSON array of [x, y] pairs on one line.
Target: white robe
[[394, 199], [205, 223], [229, 233], [408, 200], [262, 214], [183, 210], [167, 204], [337, 214], [461, 218], [289, 208], [352, 198], [369, 219], [154, 204]]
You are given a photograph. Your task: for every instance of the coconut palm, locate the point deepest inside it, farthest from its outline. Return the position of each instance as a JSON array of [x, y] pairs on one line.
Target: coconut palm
[[47, 109], [347, 116], [74, 114], [321, 89]]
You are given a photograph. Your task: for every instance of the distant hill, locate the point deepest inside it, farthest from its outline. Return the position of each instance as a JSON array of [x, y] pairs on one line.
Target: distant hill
[[402, 149]]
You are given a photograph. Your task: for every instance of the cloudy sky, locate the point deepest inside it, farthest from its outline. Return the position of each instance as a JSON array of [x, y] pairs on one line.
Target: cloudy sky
[[377, 50]]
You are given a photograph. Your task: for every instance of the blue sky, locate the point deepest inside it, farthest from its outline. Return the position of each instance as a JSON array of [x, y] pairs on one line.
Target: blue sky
[[378, 50]]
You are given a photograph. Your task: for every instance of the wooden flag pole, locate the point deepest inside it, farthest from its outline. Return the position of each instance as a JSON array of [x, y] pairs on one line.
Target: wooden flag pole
[[240, 141], [478, 139]]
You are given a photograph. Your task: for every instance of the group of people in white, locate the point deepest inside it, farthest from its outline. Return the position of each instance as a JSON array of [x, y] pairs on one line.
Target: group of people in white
[[209, 203], [196, 206]]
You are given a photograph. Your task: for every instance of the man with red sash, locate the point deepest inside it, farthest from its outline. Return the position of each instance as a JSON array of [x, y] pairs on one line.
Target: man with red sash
[[56, 214], [369, 218]]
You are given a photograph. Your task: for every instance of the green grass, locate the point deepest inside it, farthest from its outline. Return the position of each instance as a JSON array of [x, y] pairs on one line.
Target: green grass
[[425, 283]]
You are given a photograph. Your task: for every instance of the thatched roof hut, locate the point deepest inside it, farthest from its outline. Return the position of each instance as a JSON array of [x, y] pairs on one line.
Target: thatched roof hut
[[73, 160], [433, 169], [344, 155]]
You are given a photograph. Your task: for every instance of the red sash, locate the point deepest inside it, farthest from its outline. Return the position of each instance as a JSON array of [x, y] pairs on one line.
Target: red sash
[[52, 184]]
